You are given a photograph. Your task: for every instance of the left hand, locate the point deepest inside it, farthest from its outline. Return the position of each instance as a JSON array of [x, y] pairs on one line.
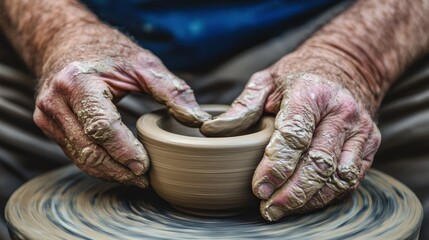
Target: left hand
[[85, 76], [324, 139]]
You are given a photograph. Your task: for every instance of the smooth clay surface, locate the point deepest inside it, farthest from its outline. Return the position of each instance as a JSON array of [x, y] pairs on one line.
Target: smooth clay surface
[[205, 176], [67, 204]]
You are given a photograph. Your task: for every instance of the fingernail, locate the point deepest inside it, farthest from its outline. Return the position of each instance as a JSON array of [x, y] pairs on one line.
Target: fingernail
[[265, 190], [273, 213], [136, 167]]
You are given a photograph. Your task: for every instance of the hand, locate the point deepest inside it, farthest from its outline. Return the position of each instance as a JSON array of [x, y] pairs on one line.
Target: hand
[[324, 139], [74, 105]]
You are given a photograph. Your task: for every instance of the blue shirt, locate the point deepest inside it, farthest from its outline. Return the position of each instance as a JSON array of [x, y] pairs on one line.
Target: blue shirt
[[189, 34]]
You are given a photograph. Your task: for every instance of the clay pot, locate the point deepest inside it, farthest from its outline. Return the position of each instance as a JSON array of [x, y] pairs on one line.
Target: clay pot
[[198, 174]]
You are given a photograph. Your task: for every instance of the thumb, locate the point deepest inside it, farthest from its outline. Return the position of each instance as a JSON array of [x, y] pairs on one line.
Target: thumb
[[176, 95], [245, 110]]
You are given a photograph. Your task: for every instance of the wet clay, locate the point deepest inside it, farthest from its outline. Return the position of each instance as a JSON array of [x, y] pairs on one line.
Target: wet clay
[[202, 175], [68, 204]]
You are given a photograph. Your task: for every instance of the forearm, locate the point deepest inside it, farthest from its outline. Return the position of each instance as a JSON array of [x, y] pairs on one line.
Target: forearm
[[42, 29], [372, 43]]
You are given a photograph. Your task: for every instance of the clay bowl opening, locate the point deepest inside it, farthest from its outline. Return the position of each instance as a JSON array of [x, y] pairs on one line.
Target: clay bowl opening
[[171, 125], [198, 174]]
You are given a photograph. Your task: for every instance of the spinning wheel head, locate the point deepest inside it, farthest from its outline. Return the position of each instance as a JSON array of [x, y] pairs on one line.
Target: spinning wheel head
[[67, 204]]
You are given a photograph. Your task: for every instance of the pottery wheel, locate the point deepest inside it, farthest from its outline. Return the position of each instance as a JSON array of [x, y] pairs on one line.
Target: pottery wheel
[[67, 204]]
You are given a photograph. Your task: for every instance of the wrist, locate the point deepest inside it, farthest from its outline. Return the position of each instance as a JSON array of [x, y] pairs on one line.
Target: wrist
[[38, 28], [368, 46], [92, 42], [331, 63]]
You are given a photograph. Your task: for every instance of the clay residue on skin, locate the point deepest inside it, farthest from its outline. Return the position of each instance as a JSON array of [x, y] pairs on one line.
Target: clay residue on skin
[[192, 117], [228, 126], [319, 120], [245, 110], [98, 66], [94, 119], [178, 97]]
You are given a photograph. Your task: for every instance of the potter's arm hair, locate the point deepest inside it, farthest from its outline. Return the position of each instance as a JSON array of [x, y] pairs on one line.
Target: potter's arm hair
[[381, 38], [37, 28]]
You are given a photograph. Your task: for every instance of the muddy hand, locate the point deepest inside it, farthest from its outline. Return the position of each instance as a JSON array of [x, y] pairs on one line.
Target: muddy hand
[[324, 139], [75, 106], [326, 94], [323, 144]]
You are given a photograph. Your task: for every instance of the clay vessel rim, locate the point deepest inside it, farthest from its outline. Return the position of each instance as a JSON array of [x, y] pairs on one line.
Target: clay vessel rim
[[149, 130]]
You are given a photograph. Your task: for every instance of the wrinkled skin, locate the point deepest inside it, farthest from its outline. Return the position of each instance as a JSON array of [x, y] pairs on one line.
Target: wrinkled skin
[[75, 106], [325, 95], [324, 139]]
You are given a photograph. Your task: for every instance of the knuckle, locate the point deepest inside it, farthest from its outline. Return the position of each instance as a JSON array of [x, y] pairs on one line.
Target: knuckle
[[260, 78], [338, 185], [67, 80], [281, 170], [92, 157], [349, 174], [277, 149], [46, 103], [298, 198], [350, 110], [364, 127], [98, 128], [376, 138], [296, 133], [97, 121], [324, 163]]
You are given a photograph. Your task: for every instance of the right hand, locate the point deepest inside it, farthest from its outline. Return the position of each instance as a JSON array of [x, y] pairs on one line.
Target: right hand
[[75, 102], [324, 140]]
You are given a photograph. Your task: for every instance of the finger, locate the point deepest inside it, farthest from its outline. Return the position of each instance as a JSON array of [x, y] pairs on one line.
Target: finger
[[272, 104], [245, 110], [293, 134], [102, 124], [45, 124], [346, 177], [351, 169], [335, 188], [52, 130], [350, 162], [88, 156], [173, 92], [318, 164], [370, 149]]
